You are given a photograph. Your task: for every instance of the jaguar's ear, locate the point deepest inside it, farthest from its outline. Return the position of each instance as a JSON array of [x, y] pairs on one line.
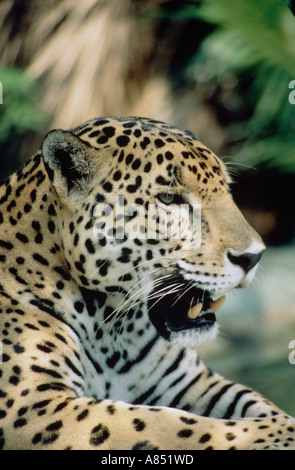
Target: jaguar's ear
[[69, 161]]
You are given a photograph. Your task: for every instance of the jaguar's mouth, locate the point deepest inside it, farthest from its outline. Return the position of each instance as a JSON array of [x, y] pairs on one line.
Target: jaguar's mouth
[[184, 311]]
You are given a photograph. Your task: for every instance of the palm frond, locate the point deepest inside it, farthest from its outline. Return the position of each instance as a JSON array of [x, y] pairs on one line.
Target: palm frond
[[254, 41]]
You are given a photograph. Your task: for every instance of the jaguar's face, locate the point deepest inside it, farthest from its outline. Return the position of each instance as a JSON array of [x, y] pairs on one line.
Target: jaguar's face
[[159, 225], [214, 251]]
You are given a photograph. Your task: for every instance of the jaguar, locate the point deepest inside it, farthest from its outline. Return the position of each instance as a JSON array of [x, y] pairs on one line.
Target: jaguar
[[119, 241]]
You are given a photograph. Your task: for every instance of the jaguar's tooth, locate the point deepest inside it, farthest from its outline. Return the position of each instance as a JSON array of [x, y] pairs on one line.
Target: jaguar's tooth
[[194, 311], [216, 304]]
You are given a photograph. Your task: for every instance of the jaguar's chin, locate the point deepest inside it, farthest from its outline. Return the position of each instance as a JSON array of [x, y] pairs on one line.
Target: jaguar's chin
[[194, 337], [187, 318]]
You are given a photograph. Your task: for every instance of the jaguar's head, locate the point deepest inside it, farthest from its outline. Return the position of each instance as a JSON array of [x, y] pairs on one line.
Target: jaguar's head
[[149, 220]]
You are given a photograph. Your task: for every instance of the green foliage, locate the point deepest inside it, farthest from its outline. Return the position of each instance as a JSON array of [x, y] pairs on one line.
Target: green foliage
[[254, 42], [19, 112]]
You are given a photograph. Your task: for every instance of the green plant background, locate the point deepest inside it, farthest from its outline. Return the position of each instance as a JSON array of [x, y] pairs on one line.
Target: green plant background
[[254, 42], [20, 114]]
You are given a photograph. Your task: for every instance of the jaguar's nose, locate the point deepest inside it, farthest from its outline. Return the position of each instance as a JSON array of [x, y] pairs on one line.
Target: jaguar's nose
[[246, 261]]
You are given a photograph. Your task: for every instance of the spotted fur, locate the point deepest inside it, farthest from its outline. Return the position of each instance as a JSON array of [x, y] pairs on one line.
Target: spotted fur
[[95, 353]]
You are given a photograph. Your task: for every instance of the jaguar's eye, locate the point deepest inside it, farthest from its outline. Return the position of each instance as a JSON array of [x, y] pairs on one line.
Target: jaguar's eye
[[170, 198]]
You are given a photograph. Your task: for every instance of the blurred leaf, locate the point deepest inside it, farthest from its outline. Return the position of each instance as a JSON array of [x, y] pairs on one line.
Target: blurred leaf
[[270, 152], [19, 112], [254, 41]]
